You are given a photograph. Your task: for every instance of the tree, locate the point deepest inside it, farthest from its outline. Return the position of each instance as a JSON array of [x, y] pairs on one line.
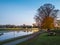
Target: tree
[[46, 16]]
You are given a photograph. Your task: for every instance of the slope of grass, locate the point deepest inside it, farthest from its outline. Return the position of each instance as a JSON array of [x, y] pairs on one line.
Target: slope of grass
[[43, 39]]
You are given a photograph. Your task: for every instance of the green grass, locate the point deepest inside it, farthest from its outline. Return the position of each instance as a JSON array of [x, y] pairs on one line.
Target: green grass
[[10, 29], [13, 29], [43, 39]]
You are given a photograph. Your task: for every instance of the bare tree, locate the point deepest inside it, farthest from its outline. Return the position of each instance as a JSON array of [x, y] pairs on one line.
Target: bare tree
[[47, 10]]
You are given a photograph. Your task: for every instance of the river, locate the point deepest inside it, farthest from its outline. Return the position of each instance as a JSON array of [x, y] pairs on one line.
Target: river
[[4, 35]]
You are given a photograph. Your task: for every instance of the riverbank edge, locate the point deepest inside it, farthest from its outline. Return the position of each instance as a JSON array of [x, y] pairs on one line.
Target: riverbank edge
[[2, 29]]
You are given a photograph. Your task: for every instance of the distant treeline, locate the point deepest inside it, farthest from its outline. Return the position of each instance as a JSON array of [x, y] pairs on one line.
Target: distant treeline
[[20, 26]]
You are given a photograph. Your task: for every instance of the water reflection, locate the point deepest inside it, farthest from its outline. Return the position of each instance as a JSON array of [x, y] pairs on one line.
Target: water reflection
[[13, 34]]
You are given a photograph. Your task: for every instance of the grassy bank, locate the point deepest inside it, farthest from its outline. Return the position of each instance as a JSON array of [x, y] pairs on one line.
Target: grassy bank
[[11, 28], [18, 29], [43, 39]]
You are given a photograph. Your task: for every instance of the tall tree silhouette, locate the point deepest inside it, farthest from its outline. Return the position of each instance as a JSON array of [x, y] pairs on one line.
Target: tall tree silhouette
[[46, 16]]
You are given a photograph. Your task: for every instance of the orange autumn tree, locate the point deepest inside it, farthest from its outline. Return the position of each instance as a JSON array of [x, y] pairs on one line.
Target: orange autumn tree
[[46, 16], [48, 22]]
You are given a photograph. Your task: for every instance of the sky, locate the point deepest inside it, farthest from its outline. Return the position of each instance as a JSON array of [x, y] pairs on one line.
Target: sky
[[18, 12]]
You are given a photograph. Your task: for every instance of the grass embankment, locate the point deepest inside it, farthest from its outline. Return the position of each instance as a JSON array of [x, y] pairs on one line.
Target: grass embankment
[[10, 29], [43, 39], [13, 29]]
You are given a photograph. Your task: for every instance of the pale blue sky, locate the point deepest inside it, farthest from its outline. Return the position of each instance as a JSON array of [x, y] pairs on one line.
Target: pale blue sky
[[20, 12]]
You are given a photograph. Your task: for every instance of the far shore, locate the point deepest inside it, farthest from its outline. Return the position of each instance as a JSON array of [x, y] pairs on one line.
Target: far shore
[[18, 29]]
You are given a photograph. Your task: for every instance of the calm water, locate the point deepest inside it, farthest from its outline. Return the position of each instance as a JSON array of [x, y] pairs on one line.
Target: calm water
[[12, 34]]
